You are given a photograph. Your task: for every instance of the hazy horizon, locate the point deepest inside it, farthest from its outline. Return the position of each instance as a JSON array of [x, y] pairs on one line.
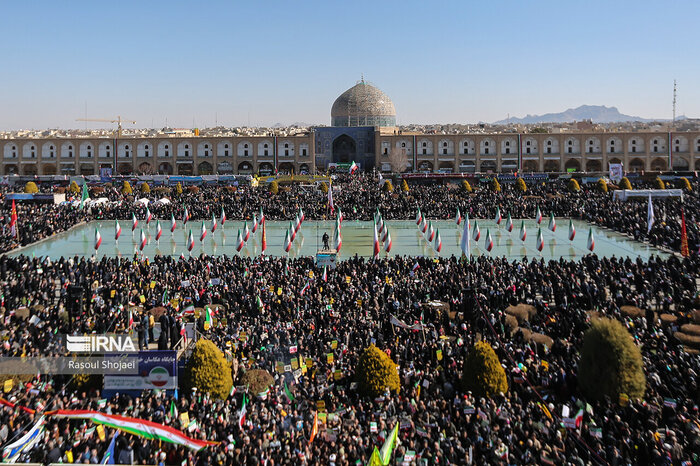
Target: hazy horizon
[[249, 64]]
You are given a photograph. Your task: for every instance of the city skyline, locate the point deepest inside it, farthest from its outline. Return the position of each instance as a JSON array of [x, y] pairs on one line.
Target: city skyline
[[242, 64]]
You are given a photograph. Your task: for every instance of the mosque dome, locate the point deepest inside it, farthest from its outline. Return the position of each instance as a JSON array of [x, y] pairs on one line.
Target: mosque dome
[[363, 105]]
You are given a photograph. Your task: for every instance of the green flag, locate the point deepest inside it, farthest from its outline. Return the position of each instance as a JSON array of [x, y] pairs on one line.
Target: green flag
[[173, 410], [389, 445], [290, 397], [207, 319], [85, 196]]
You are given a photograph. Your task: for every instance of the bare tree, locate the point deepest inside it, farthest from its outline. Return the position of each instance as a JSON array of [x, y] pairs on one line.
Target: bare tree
[[398, 160]]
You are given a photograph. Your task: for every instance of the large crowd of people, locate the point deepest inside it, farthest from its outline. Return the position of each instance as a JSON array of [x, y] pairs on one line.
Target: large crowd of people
[[271, 305], [360, 195]]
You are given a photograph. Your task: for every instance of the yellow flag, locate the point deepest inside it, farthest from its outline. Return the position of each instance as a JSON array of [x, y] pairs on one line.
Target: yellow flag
[[142, 298], [8, 386], [375, 459], [153, 284], [69, 456], [184, 419], [101, 432]]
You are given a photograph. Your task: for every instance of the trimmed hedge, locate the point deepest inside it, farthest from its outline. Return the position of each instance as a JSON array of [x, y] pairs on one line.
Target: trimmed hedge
[[602, 185], [483, 374], [257, 380], [611, 363], [208, 371], [376, 373], [31, 188], [126, 188], [573, 186]]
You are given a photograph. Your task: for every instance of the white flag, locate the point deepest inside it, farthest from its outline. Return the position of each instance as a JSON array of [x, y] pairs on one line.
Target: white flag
[[466, 244], [650, 215]]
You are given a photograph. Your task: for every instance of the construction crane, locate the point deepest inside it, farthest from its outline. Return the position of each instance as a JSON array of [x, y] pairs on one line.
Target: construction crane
[[118, 121]]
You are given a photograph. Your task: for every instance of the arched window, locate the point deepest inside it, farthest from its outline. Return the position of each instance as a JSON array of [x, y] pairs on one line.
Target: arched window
[[32, 151], [70, 151], [145, 150]]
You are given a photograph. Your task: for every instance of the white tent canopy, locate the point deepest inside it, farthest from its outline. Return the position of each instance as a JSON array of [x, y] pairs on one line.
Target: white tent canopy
[[625, 194]]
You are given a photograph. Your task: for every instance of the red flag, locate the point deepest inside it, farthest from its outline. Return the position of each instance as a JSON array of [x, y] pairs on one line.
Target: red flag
[[264, 239], [684, 237], [13, 220]]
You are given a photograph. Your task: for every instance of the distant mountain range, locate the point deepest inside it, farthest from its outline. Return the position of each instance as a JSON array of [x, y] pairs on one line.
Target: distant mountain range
[[595, 113]]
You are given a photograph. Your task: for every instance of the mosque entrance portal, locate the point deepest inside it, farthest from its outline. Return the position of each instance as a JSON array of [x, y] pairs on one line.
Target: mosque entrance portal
[[344, 149]]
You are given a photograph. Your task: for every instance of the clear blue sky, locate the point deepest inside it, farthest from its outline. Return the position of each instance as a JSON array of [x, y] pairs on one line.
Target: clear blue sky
[[286, 61]]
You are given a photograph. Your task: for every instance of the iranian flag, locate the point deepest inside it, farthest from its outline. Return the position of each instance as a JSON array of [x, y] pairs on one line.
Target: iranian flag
[[353, 168], [242, 413], [338, 240], [246, 232], [385, 233], [297, 224], [591, 241], [134, 222], [213, 223], [149, 216], [159, 230], [140, 427], [262, 216], [255, 224], [173, 223], [304, 288], [499, 217], [438, 241], [144, 240], [292, 232], [202, 232], [98, 239], [340, 215], [287, 242], [117, 231], [538, 216], [380, 222], [540, 240], [301, 216], [185, 216], [509, 224], [376, 243], [419, 217], [324, 277], [239, 242], [425, 225], [572, 230], [330, 198], [190, 241], [458, 217], [264, 240], [523, 231], [207, 319], [476, 233], [223, 216], [387, 242], [465, 245], [13, 220], [489, 240], [431, 232], [552, 223]]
